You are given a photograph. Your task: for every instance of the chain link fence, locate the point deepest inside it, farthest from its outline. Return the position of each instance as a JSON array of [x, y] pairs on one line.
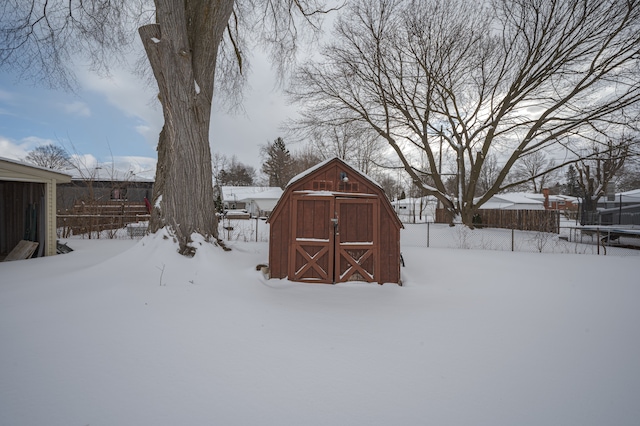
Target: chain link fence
[[570, 239], [246, 230]]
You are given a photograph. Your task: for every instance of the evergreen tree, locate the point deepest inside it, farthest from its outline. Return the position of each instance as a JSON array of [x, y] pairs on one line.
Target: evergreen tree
[[572, 187], [278, 164]]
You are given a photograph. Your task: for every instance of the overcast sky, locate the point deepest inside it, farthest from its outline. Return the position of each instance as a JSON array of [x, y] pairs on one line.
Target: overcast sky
[[117, 118]]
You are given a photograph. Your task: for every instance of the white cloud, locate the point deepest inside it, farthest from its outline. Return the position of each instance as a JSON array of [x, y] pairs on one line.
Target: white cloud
[[84, 161], [144, 167], [34, 141], [148, 132], [12, 150], [17, 150], [88, 166], [77, 108]]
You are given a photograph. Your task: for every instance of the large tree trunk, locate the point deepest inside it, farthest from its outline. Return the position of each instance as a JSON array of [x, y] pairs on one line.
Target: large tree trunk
[[182, 48]]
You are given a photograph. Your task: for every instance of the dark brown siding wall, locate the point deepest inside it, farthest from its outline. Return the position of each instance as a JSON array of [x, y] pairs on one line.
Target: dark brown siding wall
[[389, 249], [279, 244]]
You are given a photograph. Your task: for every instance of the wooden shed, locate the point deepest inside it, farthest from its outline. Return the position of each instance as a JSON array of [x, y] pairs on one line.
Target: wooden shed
[[28, 206], [334, 224]]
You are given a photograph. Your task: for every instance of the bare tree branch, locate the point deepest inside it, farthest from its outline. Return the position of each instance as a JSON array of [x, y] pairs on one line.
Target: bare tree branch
[[502, 80]]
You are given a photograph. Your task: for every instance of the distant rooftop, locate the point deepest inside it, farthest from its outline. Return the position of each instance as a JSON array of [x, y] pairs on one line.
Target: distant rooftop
[[108, 174], [246, 193]]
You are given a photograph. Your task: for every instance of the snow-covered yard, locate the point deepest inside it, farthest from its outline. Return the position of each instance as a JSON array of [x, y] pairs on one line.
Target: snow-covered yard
[[127, 332]]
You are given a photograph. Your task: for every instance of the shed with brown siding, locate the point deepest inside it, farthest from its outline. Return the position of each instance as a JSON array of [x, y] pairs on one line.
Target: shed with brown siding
[[334, 224]]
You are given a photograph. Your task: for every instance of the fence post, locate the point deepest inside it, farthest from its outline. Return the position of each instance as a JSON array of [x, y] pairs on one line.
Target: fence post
[[427, 234], [257, 228], [513, 232], [598, 240]]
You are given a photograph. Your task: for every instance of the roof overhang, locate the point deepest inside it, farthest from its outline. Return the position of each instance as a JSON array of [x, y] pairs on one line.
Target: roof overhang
[[16, 171]]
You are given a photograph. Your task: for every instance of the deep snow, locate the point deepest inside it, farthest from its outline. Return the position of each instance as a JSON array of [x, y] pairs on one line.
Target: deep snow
[[121, 332]]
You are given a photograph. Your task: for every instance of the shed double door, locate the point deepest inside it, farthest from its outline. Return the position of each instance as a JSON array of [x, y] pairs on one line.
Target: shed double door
[[334, 239]]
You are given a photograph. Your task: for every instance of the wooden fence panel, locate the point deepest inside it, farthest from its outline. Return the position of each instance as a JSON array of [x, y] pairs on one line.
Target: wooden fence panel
[[100, 216], [524, 220]]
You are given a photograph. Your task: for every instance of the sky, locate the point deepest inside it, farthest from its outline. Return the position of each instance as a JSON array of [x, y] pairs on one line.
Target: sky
[[118, 119], [120, 332]]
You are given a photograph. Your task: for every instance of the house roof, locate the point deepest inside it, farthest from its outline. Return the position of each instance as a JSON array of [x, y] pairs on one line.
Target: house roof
[[629, 196], [19, 171], [413, 200], [107, 174], [540, 197], [249, 193], [266, 204], [513, 201]]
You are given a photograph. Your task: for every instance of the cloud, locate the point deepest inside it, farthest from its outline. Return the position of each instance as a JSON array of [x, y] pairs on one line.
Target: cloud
[[148, 132], [17, 150], [12, 150], [88, 166], [84, 161], [77, 108], [144, 167], [34, 141]]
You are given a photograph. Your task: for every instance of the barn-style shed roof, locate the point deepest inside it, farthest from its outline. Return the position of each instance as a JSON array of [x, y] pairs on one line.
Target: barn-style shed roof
[[297, 183]]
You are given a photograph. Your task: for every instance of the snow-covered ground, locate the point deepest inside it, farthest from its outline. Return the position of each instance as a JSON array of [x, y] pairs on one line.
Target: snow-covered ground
[[127, 332]]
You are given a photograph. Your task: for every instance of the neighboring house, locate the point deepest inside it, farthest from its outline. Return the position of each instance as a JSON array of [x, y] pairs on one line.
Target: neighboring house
[[415, 210], [28, 206], [555, 202], [622, 209], [257, 201], [514, 201], [531, 201], [562, 203], [103, 185], [624, 199]]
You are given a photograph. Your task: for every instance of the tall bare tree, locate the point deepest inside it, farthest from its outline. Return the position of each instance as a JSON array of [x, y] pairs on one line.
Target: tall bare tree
[[348, 141], [628, 178], [188, 43], [236, 174], [304, 158], [50, 156], [502, 78], [596, 171], [536, 169]]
